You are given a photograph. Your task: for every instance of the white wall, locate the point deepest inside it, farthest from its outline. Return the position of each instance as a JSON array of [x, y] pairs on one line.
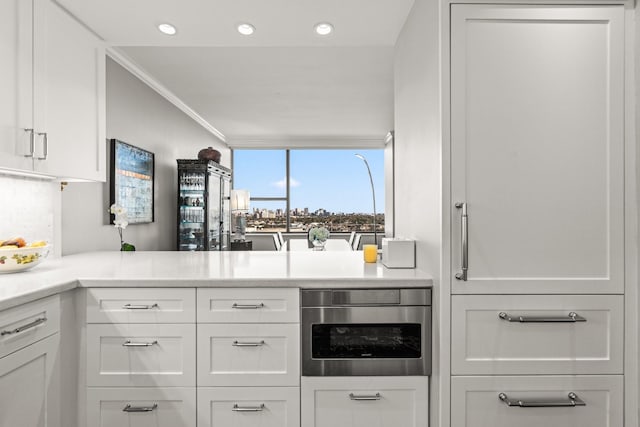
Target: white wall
[[418, 157], [30, 208], [137, 115]]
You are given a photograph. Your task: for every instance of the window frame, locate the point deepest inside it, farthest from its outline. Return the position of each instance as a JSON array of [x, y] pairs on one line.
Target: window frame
[[287, 196]]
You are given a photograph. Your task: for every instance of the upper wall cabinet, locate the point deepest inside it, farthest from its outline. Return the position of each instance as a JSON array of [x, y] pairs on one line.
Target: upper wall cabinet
[[16, 83], [537, 149], [53, 122]]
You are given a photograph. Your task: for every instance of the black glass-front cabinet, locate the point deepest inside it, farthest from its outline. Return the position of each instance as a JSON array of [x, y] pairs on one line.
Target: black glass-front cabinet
[[203, 206]]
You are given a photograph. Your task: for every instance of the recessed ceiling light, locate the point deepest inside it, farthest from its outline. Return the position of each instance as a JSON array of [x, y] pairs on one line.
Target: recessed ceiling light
[[167, 29], [324, 28], [246, 29]]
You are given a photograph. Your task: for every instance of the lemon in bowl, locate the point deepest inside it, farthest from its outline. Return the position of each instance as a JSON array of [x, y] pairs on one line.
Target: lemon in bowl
[[14, 258]]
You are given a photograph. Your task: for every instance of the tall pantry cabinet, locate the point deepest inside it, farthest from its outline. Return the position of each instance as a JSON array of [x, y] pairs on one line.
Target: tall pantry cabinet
[[537, 222]]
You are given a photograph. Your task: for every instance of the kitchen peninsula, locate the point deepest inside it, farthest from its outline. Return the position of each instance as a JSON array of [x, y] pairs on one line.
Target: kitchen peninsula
[[186, 339], [202, 269]]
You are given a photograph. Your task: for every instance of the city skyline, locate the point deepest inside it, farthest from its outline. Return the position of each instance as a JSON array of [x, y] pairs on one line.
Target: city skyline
[[333, 180]]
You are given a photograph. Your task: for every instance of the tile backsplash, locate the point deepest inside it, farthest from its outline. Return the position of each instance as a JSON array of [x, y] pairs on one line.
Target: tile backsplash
[[28, 208]]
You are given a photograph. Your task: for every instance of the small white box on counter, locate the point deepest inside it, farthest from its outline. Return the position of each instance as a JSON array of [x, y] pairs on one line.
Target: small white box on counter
[[398, 253]]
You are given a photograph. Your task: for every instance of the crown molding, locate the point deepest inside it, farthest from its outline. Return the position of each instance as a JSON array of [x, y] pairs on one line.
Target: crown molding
[[306, 142], [128, 64]]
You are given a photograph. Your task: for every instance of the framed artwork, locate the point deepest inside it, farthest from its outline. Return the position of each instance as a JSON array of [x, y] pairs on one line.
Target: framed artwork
[[132, 178]]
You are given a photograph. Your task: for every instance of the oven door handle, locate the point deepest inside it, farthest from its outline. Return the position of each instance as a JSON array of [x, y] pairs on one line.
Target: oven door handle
[[376, 396]]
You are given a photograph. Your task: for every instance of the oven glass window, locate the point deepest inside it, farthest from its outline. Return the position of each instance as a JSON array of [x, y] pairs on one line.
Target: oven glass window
[[367, 340]]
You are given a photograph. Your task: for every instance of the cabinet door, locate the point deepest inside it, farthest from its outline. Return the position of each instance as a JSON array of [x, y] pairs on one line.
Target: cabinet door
[[141, 355], [249, 407], [28, 323], [477, 402], [248, 305], [248, 355], [537, 139], [141, 305], [141, 407], [365, 401], [28, 394], [69, 96], [16, 77], [535, 334]]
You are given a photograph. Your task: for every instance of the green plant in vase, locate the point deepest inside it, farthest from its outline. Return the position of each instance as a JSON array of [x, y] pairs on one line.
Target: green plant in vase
[[318, 237]]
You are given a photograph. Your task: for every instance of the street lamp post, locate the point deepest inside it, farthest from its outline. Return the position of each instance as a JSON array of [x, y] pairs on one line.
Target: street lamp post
[[373, 195]]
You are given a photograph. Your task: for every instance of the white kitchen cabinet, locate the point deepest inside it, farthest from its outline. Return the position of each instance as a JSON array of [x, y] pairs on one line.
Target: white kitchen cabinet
[[249, 407], [476, 401], [537, 148], [365, 401], [28, 323], [536, 334], [52, 119], [29, 391], [141, 355], [16, 83], [69, 96], [249, 305], [141, 305], [141, 407], [144, 348], [248, 355]]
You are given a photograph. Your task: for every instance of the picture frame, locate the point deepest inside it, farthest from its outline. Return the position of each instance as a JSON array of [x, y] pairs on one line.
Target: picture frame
[[132, 179]]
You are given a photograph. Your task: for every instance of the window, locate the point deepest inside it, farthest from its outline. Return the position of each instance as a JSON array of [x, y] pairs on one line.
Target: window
[[292, 190]]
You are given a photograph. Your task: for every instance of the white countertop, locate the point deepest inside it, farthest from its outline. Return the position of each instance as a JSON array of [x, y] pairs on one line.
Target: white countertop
[[202, 269]]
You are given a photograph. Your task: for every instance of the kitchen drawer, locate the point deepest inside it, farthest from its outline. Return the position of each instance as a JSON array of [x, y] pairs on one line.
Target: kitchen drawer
[[484, 343], [28, 323], [145, 407], [249, 407], [476, 401], [141, 305], [248, 305], [365, 401], [249, 355], [141, 355]]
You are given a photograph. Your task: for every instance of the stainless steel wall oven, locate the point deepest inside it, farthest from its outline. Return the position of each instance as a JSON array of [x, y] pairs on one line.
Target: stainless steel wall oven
[[366, 332]]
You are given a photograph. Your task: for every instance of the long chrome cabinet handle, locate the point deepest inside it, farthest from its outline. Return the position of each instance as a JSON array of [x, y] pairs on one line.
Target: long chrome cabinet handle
[[464, 220], [139, 306], [130, 408], [574, 400], [247, 306], [23, 328], [45, 146], [237, 408], [32, 143], [248, 344], [129, 343], [570, 318], [376, 396]]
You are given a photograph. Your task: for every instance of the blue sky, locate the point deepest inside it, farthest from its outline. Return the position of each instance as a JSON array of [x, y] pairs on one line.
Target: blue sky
[[335, 180]]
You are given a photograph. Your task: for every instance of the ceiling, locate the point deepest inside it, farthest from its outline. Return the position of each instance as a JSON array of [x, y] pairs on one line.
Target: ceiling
[[282, 82]]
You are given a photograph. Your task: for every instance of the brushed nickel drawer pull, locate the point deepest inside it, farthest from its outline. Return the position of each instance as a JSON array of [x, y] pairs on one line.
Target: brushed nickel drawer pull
[[139, 306], [129, 343], [247, 306], [130, 408], [45, 146], [570, 318], [23, 328], [376, 396], [248, 344], [237, 408], [32, 144], [574, 400], [464, 222]]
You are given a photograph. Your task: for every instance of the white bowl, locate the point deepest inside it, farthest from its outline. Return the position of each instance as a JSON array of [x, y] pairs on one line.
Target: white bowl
[[20, 259]]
